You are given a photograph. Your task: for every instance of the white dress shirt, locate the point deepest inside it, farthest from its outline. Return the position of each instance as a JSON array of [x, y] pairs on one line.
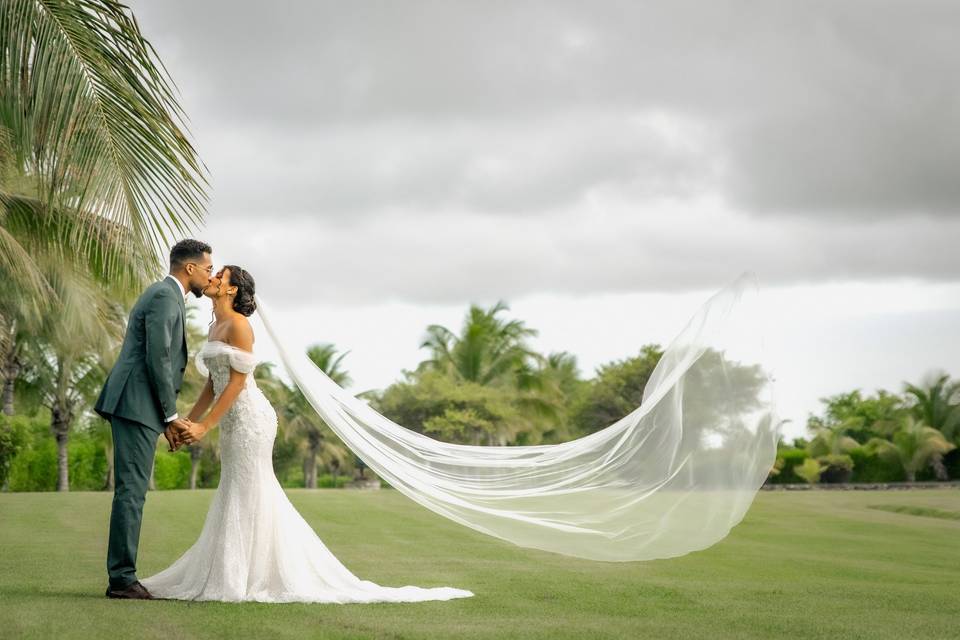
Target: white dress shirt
[[175, 416]]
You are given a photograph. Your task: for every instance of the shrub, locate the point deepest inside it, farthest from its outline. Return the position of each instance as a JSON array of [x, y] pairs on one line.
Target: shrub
[[792, 458], [809, 471], [837, 468], [291, 477], [35, 467], [171, 470], [87, 462], [14, 436], [326, 481], [868, 466]]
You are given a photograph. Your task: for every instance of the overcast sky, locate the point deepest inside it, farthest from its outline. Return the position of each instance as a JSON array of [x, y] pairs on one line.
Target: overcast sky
[[603, 167]]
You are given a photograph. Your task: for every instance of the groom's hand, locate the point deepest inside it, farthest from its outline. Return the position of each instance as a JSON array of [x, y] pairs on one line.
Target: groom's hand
[[171, 437], [174, 432]]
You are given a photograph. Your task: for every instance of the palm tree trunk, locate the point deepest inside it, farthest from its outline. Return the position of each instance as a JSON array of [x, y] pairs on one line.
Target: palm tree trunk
[[310, 469], [62, 434], [335, 471], [911, 475], [195, 453], [11, 370]]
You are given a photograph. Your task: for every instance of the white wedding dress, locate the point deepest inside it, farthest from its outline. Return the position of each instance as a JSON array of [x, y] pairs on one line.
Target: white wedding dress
[[254, 545]]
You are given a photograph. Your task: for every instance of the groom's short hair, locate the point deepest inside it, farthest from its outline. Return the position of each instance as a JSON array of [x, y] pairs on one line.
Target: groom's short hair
[[186, 251]]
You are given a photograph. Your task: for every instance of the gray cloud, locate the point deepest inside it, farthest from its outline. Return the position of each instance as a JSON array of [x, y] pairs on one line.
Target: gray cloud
[[492, 167], [479, 258], [845, 109], [829, 132]]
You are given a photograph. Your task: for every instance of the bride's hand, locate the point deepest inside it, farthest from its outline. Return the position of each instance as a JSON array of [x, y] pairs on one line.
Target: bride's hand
[[194, 432]]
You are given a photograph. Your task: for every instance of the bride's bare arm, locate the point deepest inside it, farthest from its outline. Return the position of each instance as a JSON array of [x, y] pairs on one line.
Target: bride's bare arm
[[241, 337], [203, 402]]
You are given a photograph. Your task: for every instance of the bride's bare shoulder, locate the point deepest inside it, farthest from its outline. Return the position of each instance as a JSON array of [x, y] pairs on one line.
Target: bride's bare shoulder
[[240, 333]]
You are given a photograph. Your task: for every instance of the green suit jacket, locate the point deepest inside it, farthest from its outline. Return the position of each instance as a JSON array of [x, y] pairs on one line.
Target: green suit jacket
[[144, 383]]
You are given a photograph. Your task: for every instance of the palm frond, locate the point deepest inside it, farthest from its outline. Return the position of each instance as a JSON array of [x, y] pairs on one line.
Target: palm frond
[[93, 118]]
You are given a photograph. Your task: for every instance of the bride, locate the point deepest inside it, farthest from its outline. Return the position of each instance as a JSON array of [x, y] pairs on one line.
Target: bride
[[254, 545]]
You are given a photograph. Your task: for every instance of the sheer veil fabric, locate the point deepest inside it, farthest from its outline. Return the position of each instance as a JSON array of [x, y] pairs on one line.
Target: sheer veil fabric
[[672, 477]]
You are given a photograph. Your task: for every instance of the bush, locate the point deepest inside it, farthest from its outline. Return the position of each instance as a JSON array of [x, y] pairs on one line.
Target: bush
[[792, 458], [14, 436], [870, 467], [35, 467], [809, 471], [171, 470], [837, 468], [87, 462], [326, 481], [287, 462], [291, 477], [209, 474]]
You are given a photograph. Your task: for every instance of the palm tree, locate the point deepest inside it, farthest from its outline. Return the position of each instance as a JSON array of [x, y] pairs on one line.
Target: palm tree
[[547, 391], [324, 355], [90, 126], [64, 359], [93, 163], [937, 404], [301, 420], [492, 352], [488, 351], [830, 441], [917, 446], [318, 442]]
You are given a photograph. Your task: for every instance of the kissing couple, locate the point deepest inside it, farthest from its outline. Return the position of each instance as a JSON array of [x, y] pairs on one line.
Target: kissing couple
[[254, 545]]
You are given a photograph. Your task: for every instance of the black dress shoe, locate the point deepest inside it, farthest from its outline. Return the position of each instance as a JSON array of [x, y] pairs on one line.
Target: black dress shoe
[[135, 591]]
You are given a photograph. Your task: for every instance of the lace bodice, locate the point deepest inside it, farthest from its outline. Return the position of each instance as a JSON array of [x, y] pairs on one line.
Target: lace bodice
[[216, 358], [249, 426]]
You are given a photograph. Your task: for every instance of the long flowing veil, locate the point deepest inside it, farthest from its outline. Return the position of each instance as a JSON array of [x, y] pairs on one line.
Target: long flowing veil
[[673, 476]]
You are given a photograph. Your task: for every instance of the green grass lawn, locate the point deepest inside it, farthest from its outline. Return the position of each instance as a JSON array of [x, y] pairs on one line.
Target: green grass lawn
[[806, 565]]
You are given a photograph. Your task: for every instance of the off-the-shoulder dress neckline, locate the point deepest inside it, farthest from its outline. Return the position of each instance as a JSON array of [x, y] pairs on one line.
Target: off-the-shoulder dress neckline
[[226, 344]]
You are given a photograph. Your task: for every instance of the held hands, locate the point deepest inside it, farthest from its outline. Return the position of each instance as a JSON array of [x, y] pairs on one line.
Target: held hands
[[194, 433], [172, 433], [183, 431]]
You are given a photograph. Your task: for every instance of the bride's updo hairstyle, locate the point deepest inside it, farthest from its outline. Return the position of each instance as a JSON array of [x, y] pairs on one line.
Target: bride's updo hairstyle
[[246, 288]]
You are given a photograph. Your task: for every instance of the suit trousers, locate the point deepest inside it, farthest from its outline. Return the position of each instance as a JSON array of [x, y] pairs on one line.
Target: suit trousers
[[134, 446]]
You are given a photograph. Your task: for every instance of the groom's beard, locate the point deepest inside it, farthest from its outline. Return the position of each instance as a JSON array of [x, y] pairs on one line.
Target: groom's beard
[[197, 291]]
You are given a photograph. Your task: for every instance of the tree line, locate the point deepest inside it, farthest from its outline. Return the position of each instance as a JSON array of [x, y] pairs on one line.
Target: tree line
[[880, 437], [482, 385]]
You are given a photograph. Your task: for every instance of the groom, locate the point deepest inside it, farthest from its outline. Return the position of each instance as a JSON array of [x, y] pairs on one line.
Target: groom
[[139, 399]]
